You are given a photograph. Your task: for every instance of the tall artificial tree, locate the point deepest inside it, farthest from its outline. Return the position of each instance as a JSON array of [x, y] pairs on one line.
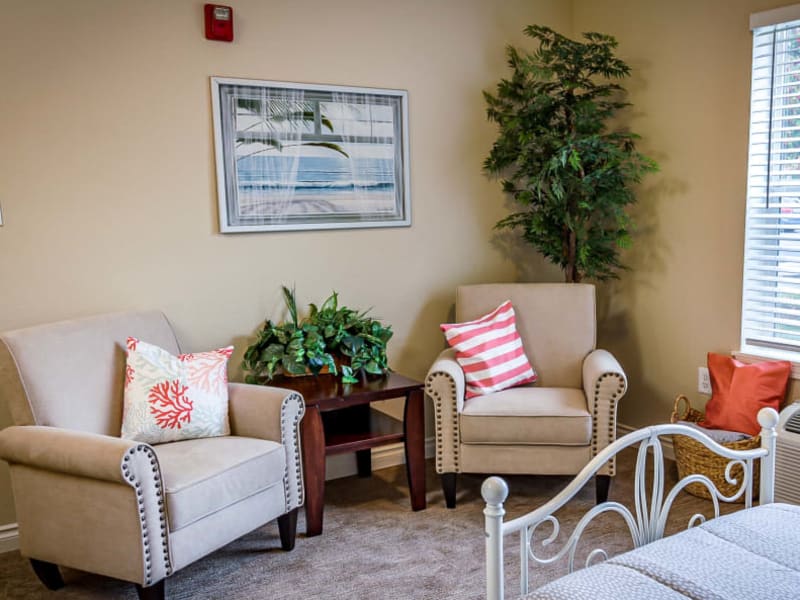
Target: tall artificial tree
[[558, 156]]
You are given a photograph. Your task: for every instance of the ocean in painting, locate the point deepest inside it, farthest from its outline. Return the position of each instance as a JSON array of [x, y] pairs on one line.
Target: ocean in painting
[[286, 185], [313, 174]]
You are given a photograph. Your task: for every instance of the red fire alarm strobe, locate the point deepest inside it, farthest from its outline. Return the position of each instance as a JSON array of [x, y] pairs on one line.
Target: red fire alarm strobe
[[219, 22]]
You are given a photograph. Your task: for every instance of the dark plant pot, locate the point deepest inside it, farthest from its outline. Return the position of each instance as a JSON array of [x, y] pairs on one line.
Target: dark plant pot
[[324, 371]]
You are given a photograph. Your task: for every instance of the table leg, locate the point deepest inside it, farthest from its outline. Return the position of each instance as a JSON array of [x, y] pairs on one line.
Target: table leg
[[360, 422], [313, 449], [414, 430], [364, 462]]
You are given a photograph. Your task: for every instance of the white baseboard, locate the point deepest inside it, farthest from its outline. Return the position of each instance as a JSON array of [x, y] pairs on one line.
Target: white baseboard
[[9, 538], [666, 442], [390, 455]]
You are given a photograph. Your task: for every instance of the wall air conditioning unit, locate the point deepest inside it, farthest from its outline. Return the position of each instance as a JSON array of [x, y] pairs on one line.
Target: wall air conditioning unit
[[787, 456]]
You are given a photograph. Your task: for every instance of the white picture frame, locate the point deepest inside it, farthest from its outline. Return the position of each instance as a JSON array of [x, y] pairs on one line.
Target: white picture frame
[[292, 156]]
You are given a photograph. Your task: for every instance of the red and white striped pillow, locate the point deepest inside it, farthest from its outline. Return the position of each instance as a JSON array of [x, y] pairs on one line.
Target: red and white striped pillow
[[490, 352]]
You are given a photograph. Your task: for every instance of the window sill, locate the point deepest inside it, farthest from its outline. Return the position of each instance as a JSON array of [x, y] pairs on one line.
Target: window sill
[[749, 358]]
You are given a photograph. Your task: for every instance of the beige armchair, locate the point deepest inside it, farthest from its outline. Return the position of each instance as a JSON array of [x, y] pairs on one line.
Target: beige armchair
[[87, 499], [553, 427]]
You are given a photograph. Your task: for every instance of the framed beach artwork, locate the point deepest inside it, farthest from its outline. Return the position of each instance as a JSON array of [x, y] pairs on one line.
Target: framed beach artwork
[[299, 156]]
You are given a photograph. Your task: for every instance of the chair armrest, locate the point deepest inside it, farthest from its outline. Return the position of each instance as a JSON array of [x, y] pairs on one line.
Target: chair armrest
[[66, 451], [105, 458], [604, 384], [271, 413], [445, 386], [445, 366]]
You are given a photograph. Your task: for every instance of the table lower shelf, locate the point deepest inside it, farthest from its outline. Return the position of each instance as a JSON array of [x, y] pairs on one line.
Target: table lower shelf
[[382, 429], [352, 442]]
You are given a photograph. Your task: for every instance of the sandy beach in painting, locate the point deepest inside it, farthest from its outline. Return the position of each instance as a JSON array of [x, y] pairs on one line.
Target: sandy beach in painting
[[259, 204]]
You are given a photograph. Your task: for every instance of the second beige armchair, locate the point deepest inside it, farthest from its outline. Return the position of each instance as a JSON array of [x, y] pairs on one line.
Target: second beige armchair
[[551, 428]]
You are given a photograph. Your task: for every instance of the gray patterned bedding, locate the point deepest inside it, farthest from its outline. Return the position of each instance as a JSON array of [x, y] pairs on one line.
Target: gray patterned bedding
[[750, 554]]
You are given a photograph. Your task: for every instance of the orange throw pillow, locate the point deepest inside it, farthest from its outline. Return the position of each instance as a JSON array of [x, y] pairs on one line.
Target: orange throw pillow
[[740, 390]]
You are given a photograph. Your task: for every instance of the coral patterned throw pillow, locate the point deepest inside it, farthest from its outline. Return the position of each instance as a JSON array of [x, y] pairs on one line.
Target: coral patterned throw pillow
[[170, 398], [490, 352]]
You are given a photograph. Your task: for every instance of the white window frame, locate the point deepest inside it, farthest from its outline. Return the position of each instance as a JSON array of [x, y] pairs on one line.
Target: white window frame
[[769, 211]]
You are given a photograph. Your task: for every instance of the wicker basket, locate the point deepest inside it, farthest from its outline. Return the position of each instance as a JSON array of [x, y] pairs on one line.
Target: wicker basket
[[693, 457]]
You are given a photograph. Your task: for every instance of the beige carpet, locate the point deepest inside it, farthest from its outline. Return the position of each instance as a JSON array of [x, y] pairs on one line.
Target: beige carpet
[[373, 547]]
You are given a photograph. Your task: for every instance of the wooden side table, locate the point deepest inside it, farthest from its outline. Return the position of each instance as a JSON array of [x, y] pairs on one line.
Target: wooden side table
[[337, 421]]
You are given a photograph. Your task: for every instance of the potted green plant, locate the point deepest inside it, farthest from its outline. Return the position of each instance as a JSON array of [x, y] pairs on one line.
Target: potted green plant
[[332, 338], [559, 158]]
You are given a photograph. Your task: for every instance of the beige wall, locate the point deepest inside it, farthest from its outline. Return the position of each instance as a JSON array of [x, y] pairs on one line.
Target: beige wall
[[106, 163], [690, 93]]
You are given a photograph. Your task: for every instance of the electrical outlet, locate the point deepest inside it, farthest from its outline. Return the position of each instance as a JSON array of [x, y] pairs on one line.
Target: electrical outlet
[[703, 381]]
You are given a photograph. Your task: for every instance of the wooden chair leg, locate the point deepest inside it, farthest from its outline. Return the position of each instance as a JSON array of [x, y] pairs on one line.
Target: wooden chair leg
[[48, 574], [287, 527], [151, 592], [449, 489], [602, 483]]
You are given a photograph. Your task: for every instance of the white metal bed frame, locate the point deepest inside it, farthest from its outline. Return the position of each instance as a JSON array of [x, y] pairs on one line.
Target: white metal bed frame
[[648, 523]]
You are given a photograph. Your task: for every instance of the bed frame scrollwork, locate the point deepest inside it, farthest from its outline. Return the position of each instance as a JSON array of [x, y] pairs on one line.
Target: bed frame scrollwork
[[648, 519]]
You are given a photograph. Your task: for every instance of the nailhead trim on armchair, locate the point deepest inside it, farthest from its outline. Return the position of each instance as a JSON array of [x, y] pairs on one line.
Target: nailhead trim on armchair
[[149, 490], [438, 404], [290, 435], [601, 390]]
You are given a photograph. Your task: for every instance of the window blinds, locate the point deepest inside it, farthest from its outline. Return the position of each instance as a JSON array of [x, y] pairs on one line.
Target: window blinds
[[771, 287]]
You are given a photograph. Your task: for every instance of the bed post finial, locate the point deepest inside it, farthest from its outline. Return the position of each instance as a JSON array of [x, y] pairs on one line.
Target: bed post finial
[[768, 419], [494, 491]]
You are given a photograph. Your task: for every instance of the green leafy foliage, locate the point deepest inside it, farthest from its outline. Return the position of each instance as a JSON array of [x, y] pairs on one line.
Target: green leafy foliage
[[556, 156], [330, 335], [274, 111]]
